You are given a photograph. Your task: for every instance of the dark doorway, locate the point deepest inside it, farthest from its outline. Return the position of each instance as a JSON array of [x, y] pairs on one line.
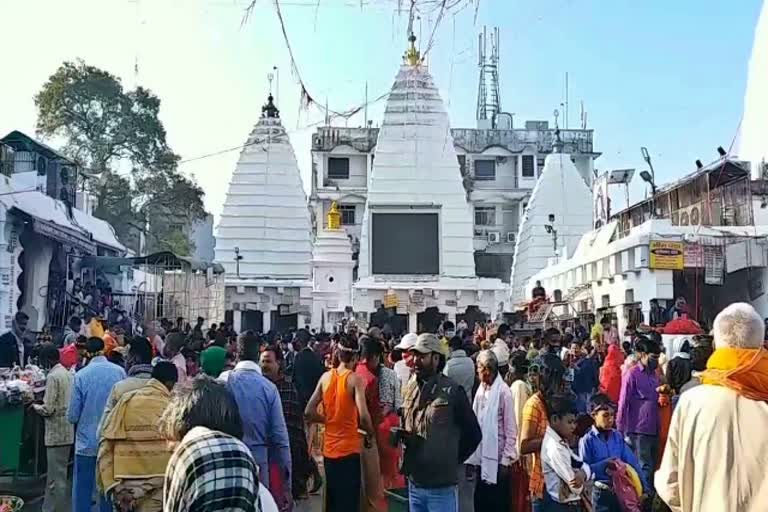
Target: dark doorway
[[430, 320], [252, 321], [284, 323], [471, 316]]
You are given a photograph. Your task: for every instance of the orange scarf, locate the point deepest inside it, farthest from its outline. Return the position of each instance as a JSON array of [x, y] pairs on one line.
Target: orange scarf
[[743, 370]]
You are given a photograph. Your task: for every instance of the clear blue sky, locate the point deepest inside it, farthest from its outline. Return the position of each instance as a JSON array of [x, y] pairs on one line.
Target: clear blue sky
[[667, 75]]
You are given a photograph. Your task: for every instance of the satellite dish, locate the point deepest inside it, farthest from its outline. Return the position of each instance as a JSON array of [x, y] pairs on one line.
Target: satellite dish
[[621, 176]]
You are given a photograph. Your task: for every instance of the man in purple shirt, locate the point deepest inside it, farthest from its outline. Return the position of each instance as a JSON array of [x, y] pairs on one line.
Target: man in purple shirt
[[638, 415]]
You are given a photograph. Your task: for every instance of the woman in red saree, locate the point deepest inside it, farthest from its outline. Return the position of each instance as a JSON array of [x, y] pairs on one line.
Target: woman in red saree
[[369, 368], [610, 373]]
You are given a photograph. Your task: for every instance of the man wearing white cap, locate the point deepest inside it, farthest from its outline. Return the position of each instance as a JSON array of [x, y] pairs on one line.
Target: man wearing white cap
[[402, 367]]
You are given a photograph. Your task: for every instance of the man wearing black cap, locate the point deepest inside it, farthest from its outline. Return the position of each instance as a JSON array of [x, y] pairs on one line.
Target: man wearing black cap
[[440, 430]]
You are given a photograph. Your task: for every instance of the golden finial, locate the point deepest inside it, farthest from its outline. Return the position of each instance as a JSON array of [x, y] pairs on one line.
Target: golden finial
[[334, 217], [412, 56]]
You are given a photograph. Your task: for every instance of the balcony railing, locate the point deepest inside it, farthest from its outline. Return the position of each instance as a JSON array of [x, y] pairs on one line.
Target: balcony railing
[[328, 137], [476, 141]]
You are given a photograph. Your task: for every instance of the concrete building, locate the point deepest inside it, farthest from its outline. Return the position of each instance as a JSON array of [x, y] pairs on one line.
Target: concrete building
[[701, 238], [263, 239], [200, 232], [45, 231]]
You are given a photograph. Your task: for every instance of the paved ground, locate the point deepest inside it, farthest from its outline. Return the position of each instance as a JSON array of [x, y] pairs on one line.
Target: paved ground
[[314, 504]]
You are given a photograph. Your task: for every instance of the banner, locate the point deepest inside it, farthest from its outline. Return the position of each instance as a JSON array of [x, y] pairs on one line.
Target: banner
[[693, 256], [601, 202], [666, 255], [714, 262]]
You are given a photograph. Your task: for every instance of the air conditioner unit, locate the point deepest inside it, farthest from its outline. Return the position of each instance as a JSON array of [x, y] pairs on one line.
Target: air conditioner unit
[[511, 237], [494, 237], [691, 215], [41, 165]]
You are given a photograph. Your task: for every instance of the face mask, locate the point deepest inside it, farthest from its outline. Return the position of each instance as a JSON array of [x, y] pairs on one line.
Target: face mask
[[652, 364], [450, 334]]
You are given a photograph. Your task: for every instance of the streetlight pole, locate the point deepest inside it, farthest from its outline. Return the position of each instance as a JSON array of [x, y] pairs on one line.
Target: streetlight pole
[[238, 258]]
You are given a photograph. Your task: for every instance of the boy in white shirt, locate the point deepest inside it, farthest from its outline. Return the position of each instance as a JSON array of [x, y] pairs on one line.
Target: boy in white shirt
[[564, 471]]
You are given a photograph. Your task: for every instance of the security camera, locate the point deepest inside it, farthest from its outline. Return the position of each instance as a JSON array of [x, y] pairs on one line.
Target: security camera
[[548, 228]]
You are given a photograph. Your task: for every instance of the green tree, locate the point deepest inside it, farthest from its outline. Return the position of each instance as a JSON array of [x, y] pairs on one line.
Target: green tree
[[108, 129]]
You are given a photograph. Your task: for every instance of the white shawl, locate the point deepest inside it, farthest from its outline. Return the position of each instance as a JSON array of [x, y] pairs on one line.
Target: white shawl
[[487, 454]]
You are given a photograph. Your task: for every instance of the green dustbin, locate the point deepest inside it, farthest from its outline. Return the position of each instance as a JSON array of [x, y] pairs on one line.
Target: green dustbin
[[397, 500], [12, 422]]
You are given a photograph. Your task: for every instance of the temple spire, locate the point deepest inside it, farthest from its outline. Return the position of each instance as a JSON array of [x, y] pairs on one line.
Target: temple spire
[[270, 110], [412, 55]]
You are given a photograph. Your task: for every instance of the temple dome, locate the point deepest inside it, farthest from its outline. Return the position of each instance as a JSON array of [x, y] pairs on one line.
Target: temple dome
[[560, 191], [415, 168], [265, 212]]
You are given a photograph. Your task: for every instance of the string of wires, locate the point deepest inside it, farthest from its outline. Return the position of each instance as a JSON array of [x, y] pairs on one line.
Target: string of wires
[[424, 7], [288, 132]]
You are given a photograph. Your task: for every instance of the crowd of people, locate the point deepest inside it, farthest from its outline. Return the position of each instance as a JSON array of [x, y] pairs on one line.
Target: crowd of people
[[194, 418]]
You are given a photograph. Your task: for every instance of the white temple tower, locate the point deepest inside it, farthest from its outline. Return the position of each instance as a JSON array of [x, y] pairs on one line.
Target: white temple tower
[[332, 270], [264, 235], [560, 192], [753, 142], [416, 251]]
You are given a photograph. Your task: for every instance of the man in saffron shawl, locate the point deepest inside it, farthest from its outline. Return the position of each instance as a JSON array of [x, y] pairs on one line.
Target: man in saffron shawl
[[720, 425]]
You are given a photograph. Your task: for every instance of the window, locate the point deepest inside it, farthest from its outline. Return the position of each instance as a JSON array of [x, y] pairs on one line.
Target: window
[[462, 164], [528, 164], [485, 216], [338, 168], [539, 166], [347, 214], [485, 169]]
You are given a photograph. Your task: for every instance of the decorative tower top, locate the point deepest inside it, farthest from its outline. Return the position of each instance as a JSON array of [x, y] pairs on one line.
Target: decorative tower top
[[270, 110], [557, 145], [412, 55], [334, 217]]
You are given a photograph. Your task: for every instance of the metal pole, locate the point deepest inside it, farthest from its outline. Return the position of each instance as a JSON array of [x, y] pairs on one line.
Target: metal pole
[[277, 85]]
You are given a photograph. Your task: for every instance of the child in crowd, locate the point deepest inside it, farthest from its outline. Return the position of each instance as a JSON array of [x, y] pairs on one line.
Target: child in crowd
[[602, 445], [564, 472]]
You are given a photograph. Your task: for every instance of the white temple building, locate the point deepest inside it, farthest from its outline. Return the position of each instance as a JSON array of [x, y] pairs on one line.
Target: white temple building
[[263, 238], [416, 244], [753, 144], [559, 212]]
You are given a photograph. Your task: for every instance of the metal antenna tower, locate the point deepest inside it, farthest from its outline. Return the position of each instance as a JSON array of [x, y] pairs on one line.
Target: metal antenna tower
[[488, 99]]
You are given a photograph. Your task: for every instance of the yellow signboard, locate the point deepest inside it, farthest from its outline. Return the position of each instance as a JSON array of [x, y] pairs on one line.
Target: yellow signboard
[[666, 255], [390, 299]]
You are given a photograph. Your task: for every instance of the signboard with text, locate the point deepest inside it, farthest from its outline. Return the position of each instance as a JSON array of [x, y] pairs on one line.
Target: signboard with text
[[666, 255]]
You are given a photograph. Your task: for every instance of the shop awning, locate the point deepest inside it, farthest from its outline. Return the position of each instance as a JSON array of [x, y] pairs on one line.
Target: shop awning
[[64, 235], [51, 219], [164, 259]]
